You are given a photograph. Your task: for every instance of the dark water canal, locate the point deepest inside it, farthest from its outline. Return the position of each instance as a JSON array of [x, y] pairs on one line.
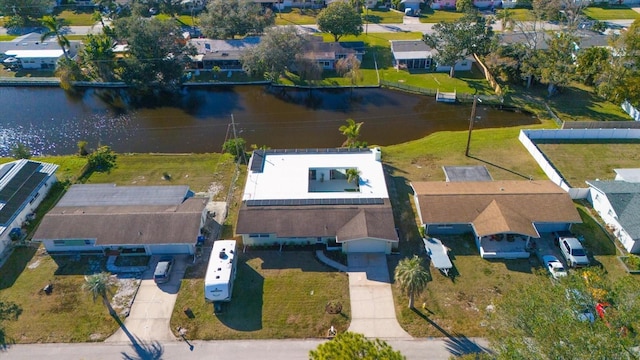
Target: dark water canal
[[51, 121]]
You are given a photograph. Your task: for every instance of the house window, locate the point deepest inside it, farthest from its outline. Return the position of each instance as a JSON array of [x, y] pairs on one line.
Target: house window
[[34, 198], [597, 196], [445, 226], [258, 235], [312, 174], [610, 213]]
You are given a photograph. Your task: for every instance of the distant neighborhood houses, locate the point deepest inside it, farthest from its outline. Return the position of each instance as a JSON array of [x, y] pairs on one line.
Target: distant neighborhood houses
[[23, 186], [226, 55]]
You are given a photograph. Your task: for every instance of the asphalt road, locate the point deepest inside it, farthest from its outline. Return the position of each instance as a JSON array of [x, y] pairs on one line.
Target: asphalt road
[[432, 348], [409, 25]]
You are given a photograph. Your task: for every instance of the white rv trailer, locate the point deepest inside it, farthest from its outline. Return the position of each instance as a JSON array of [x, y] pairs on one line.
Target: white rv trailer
[[221, 271]]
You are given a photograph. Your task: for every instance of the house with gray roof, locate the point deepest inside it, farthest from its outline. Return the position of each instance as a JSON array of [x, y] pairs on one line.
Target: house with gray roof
[[124, 220], [305, 197], [23, 186], [225, 54], [416, 54], [618, 203]]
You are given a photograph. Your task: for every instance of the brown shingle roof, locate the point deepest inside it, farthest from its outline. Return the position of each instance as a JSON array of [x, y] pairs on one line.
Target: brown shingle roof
[[343, 221], [495, 207], [125, 225]]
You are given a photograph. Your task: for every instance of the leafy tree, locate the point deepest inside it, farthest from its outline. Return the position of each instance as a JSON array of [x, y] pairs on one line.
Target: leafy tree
[[547, 9], [82, 148], [157, 54], [227, 19], [98, 57], [621, 79], [56, 27], [68, 71], [352, 131], [102, 159], [236, 147], [279, 48], [98, 286], [539, 320], [591, 62], [556, 65], [170, 7], [21, 151], [456, 40], [349, 67], [26, 9], [412, 278], [308, 69], [339, 19], [354, 346], [464, 5]]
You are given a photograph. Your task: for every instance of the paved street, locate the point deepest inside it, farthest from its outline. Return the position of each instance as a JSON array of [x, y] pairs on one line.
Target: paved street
[[433, 349], [369, 28]]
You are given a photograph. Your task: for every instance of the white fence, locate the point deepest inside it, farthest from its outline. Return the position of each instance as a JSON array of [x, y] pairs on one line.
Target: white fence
[[528, 137], [632, 111]]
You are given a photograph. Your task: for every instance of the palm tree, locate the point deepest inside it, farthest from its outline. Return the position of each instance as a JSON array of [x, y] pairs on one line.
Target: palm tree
[[55, 27], [98, 57], [351, 131], [412, 277], [353, 175], [98, 286], [506, 18]]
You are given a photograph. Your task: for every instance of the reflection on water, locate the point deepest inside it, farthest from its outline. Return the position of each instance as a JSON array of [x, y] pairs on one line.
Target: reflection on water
[[50, 121]]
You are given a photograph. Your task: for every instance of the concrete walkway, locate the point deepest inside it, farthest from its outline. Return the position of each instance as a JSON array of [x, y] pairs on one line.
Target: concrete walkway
[[325, 260], [372, 308]]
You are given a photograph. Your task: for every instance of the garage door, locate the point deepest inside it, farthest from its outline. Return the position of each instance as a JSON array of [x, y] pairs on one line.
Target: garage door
[[170, 249], [366, 245]]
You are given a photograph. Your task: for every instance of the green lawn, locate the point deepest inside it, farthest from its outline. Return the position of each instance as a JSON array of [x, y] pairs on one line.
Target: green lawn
[[199, 171], [470, 82], [436, 16], [185, 20], [617, 12], [7, 37], [67, 315], [589, 160], [383, 16], [518, 14], [296, 16], [276, 295], [574, 103], [77, 18]]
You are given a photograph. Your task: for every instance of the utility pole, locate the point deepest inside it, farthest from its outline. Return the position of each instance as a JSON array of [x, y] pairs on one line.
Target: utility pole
[[472, 119], [366, 17], [235, 139]]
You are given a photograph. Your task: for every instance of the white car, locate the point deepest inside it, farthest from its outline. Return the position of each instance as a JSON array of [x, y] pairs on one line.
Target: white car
[[554, 266], [573, 252]]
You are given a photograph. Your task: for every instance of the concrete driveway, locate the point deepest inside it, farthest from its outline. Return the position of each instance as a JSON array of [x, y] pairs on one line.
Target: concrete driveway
[[150, 315], [372, 307]]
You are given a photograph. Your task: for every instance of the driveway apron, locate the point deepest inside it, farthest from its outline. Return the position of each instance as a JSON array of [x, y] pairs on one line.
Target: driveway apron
[[150, 315], [372, 307]]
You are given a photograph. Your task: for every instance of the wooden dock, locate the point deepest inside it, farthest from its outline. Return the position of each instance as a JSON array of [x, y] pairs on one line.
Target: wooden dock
[[447, 97]]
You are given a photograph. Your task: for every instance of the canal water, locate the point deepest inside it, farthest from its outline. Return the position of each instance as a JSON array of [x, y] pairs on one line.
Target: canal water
[[51, 121]]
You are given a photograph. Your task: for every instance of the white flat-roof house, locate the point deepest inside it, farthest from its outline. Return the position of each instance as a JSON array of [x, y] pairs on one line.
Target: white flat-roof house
[[303, 196], [33, 53], [23, 186]]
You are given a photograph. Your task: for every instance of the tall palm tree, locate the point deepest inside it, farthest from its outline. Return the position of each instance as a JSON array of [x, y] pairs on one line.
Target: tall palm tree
[[98, 56], [351, 131], [412, 277], [353, 175], [506, 18], [98, 286], [55, 27]]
